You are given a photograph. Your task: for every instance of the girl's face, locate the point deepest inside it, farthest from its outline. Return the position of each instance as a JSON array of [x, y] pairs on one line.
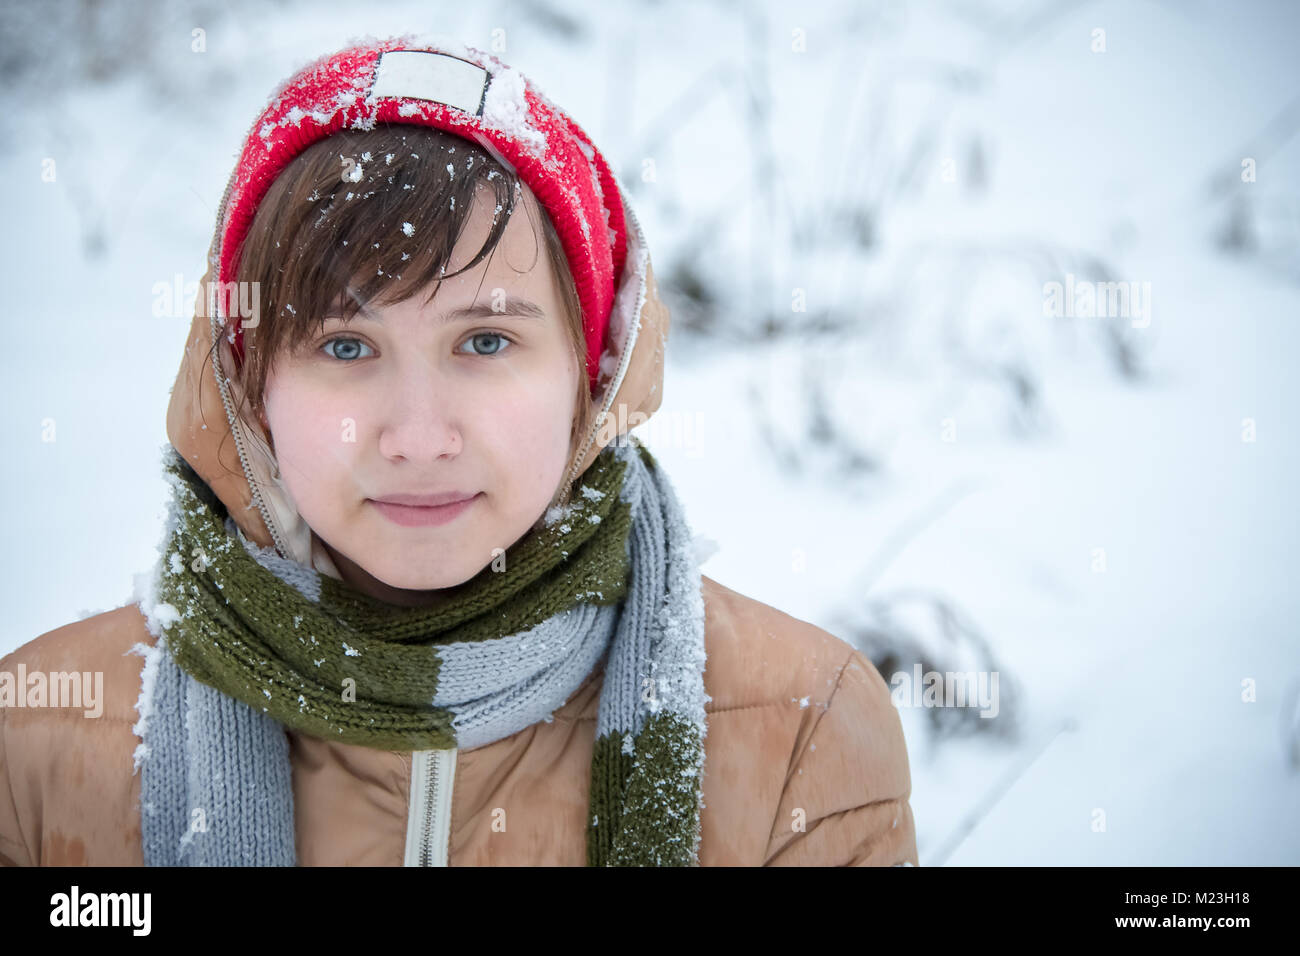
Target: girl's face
[[472, 394]]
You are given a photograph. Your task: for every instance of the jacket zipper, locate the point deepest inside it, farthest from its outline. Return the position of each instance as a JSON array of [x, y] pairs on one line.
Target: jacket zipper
[[215, 324], [624, 361], [428, 818]]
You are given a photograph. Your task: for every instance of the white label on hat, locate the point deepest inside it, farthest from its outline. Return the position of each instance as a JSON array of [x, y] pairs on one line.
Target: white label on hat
[[426, 75]]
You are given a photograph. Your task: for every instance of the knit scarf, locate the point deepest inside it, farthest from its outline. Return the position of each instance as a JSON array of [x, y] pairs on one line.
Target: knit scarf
[[250, 643]]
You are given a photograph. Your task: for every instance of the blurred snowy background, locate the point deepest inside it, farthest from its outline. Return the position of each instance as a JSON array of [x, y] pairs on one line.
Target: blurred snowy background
[[854, 209]]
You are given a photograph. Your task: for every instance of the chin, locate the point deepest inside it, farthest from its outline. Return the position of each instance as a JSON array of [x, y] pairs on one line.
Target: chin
[[406, 580]]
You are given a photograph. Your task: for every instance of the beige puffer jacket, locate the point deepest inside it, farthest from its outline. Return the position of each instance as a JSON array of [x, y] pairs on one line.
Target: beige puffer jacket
[[805, 762]]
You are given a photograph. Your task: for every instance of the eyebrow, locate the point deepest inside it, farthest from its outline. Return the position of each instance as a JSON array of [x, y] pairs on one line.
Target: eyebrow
[[512, 306]]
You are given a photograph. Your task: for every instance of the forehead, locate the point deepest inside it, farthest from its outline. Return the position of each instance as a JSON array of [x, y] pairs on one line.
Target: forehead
[[523, 231], [519, 264], [515, 278]]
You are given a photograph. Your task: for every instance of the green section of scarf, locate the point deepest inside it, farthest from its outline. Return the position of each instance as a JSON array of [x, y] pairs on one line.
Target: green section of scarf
[[353, 668], [645, 806]]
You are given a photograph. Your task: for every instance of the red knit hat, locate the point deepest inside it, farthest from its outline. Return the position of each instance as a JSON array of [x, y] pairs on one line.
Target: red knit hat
[[443, 84]]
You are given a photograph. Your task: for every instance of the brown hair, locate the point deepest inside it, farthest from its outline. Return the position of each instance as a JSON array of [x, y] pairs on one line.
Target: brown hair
[[323, 238]]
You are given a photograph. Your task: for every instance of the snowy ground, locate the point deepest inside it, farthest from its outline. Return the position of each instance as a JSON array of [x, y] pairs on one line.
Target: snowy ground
[[1132, 676]]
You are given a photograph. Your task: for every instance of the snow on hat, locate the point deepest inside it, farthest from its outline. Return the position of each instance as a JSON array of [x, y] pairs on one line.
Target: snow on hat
[[440, 83]]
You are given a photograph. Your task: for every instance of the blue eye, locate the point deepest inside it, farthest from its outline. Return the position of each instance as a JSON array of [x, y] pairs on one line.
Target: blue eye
[[487, 344], [348, 355], [489, 337]]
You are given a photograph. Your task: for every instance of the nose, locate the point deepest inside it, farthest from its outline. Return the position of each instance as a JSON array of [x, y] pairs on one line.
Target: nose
[[419, 421]]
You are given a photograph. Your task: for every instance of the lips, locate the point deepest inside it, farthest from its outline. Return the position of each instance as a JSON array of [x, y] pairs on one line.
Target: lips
[[426, 501], [417, 515]]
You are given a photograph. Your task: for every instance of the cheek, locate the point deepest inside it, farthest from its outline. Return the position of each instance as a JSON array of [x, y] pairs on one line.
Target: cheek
[[530, 426], [532, 423], [308, 429]]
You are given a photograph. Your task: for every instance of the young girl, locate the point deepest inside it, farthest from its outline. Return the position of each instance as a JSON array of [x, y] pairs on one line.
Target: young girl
[[418, 601]]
